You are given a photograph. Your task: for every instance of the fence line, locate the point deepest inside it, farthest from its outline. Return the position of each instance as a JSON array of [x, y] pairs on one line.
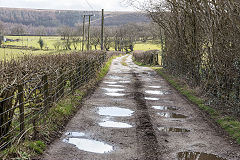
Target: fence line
[[23, 105]]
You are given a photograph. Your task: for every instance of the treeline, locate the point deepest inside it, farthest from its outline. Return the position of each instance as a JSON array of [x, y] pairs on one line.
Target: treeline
[[201, 44], [121, 38]]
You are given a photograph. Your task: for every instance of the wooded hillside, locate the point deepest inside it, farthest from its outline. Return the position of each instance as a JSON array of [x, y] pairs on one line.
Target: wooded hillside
[[54, 18]]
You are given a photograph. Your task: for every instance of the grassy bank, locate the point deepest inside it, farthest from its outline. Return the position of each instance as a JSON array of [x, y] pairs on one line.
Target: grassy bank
[[229, 124], [54, 122]]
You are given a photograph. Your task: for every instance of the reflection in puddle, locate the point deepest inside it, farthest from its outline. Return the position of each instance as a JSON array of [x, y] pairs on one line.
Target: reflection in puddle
[[89, 145], [170, 129], [197, 156], [124, 81], [110, 82], [172, 115], [115, 124], [155, 92], [157, 87], [75, 134], [152, 99], [164, 108], [115, 111], [115, 94], [115, 85], [115, 77], [113, 89]]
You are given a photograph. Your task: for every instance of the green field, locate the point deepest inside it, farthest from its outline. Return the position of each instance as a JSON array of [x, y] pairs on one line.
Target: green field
[[32, 42], [147, 46]]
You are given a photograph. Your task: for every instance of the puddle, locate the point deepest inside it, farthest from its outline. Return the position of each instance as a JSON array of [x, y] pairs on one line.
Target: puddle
[[152, 99], [115, 111], [89, 145], [198, 156], [113, 124], [75, 134], [115, 77], [170, 129], [115, 85], [110, 82], [113, 89], [172, 115], [157, 87], [115, 94], [164, 108], [124, 81], [155, 92]]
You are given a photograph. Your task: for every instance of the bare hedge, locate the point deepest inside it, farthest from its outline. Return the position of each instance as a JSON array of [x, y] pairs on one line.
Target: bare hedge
[[201, 43], [33, 84]]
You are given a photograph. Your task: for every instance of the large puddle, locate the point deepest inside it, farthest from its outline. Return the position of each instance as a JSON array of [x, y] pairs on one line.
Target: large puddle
[[112, 85], [151, 98], [112, 124], [198, 156], [164, 108], [156, 87], [115, 111], [172, 115], [115, 94], [155, 92], [75, 134], [89, 145], [171, 129], [114, 89]]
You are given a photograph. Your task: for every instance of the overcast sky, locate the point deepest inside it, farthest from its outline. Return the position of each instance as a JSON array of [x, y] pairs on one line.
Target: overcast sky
[[109, 5]]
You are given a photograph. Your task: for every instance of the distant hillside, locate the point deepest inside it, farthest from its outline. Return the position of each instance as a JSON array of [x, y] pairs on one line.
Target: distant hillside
[[56, 18]]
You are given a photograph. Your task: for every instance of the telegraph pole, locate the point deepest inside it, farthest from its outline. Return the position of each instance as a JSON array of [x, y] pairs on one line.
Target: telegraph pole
[[83, 32], [88, 45], [102, 29]]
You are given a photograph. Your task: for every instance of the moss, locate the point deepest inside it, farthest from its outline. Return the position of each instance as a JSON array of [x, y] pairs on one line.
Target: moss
[[37, 146]]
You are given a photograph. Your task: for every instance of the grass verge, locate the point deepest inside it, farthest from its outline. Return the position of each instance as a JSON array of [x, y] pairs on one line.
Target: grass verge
[[123, 62], [229, 124], [55, 121]]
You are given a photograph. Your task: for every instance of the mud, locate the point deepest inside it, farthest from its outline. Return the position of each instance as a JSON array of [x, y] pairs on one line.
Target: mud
[[132, 124], [145, 132]]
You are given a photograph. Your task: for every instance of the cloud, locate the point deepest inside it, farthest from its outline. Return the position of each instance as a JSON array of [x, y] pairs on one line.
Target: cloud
[[109, 5]]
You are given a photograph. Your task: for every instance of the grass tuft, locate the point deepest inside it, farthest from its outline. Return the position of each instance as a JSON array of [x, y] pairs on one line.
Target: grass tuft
[[123, 62], [37, 146]]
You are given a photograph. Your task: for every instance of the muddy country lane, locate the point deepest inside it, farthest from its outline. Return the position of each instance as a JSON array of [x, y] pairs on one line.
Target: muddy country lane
[[134, 114]]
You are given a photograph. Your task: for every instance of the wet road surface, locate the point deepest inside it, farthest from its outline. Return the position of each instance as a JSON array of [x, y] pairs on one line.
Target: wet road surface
[[134, 114]]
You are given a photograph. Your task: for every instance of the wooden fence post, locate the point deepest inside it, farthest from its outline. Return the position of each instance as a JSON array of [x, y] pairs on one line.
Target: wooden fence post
[[45, 92], [21, 108]]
